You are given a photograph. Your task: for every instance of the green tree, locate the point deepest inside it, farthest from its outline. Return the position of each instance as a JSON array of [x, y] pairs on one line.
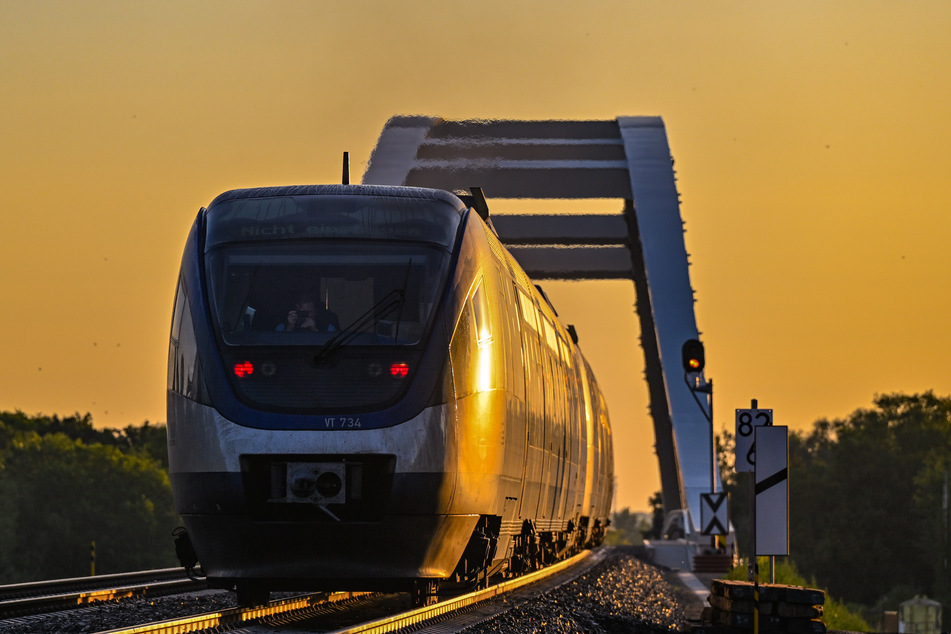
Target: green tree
[[869, 511], [58, 493], [78, 427], [864, 492], [148, 440], [8, 524], [628, 527]]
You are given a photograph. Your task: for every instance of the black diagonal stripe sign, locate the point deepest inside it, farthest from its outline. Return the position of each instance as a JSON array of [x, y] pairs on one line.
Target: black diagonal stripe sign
[[714, 513], [772, 490], [771, 481]]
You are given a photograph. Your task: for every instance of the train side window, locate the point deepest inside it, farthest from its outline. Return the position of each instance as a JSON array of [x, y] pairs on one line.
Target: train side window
[[174, 336], [550, 337], [478, 364], [529, 314], [184, 369], [513, 341], [565, 353], [177, 314], [462, 354], [480, 307]]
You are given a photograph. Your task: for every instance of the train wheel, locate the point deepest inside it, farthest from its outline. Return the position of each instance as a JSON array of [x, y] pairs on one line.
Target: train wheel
[[252, 594], [425, 592]]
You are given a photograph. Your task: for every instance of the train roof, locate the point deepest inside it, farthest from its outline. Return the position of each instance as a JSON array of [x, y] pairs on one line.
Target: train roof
[[334, 211], [416, 193]]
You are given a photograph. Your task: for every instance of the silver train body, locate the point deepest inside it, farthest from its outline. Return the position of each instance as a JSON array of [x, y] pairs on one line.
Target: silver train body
[[440, 425]]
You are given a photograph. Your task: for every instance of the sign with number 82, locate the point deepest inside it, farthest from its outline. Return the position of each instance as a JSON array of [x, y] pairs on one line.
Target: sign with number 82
[[745, 448]]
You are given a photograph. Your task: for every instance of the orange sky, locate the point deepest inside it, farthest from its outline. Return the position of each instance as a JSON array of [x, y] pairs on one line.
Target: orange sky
[[811, 139]]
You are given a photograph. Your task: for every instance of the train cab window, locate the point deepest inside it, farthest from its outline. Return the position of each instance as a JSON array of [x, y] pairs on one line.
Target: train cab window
[[362, 311], [282, 295]]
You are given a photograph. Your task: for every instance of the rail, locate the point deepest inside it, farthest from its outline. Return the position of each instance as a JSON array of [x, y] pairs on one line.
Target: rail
[[36, 597], [443, 608], [298, 606]]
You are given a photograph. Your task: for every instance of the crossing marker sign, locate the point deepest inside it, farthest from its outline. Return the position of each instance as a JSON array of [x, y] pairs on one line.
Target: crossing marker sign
[[714, 513]]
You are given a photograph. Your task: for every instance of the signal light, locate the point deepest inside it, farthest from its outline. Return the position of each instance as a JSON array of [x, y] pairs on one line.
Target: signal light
[[693, 356], [243, 369], [399, 370]]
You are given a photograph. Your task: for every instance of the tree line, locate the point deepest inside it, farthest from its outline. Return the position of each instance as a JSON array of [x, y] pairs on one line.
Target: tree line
[[868, 501], [65, 484]]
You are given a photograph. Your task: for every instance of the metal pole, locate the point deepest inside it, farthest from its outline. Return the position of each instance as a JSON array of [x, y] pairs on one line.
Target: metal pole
[[713, 445], [755, 579], [755, 596], [706, 388], [944, 504], [755, 570], [713, 457]]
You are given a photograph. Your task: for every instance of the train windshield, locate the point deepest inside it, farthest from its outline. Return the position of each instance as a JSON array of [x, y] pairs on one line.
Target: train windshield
[[325, 293]]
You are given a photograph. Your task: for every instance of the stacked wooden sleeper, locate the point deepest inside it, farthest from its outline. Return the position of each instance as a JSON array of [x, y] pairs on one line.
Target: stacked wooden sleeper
[[782, 608]]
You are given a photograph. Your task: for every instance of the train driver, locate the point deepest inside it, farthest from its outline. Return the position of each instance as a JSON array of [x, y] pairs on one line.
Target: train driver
[[310, 316]]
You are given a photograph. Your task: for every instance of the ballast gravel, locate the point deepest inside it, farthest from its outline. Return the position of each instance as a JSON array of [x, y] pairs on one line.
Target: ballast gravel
[[620, 594], [112, 615]]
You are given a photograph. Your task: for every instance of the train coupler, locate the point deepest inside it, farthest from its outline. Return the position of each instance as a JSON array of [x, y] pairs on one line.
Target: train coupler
[[185, 552]]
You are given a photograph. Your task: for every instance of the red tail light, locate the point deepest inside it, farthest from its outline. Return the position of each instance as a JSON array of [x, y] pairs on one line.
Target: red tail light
[[399, 370], [243, 369]]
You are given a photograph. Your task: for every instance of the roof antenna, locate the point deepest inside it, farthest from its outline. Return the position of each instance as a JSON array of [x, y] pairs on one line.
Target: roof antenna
[[346, 168]]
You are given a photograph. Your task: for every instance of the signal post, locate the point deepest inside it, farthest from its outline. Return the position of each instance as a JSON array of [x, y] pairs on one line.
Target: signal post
[[714, 506]]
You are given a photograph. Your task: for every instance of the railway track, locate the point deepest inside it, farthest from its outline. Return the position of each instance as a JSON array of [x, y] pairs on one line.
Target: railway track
[[611, 589], [284, 612], [348, 612], [61, 594]]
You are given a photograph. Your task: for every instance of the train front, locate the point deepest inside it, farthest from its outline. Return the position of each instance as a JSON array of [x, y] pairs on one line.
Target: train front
[[308, 433]]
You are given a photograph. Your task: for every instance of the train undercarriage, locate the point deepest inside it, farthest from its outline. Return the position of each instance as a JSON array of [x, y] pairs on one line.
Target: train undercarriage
[[525, 552]]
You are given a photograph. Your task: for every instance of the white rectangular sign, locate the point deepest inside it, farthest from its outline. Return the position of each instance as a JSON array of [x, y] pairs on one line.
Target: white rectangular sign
[[745, 448], [772, 490]]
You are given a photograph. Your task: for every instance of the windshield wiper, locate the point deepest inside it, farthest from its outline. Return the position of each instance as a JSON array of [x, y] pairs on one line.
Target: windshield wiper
[[390, 302], [399, 315]]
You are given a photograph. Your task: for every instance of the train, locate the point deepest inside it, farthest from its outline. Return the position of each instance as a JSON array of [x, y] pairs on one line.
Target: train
[[367, 392]]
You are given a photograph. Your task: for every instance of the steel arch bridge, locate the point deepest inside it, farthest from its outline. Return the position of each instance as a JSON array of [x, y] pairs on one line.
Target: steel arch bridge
[[627, 158]]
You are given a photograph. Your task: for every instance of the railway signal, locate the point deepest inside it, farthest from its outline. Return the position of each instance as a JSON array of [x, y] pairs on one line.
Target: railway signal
[[711, 504], [693, 355]]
